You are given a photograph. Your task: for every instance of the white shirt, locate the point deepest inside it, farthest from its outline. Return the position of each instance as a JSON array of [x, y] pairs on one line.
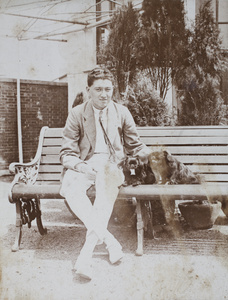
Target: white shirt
[[101, 146]]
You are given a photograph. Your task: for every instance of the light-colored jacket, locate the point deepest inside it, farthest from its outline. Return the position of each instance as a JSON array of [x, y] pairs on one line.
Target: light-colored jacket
[[79, 134]]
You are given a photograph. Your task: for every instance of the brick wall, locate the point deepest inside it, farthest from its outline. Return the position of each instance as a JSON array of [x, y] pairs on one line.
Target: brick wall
[[42, 104], [8, 122]]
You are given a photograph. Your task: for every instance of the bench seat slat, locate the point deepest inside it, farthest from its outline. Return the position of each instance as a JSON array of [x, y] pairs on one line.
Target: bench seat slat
[[144, 192]]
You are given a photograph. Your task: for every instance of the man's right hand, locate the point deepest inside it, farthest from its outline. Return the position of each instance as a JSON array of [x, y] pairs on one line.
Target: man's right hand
[[87, 170]]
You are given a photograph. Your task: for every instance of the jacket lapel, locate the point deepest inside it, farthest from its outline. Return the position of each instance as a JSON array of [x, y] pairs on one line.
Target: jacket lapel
[[89, 124]]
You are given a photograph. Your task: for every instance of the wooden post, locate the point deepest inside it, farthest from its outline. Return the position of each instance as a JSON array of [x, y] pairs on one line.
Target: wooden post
[[19, 130], [217, 12]]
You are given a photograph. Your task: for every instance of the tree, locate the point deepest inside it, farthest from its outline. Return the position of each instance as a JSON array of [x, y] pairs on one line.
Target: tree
[[161, 41], [198, 83], [118, 52]]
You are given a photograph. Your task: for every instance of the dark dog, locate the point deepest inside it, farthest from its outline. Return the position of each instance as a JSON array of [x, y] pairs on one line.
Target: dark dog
[[136, 172], [168, 170]]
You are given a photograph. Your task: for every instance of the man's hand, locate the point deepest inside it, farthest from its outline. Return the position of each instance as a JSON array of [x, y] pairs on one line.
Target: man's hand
[[143, 155], [87, 170], [143, 158]]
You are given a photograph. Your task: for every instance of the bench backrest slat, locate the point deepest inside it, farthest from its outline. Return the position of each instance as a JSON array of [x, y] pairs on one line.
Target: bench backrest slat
[[204, 149], [163, 140], [185, 132], [183, 140], [49, 176], [186, 159]]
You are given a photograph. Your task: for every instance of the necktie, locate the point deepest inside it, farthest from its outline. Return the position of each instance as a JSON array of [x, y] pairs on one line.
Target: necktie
[[107, 141]]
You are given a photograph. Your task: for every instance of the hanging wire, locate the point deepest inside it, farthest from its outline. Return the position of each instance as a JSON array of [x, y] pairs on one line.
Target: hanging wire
[[85, 17], [36, 2], [32, 22]]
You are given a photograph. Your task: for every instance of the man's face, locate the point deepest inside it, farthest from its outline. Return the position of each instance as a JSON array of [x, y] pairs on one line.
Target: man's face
[[100, 93]]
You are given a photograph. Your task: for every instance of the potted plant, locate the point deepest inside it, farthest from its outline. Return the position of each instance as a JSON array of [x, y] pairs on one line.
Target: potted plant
[[200, 214]]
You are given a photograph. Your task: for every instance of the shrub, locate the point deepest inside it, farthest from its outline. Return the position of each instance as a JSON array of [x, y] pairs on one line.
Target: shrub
[[198, 83], [145, 105], [201, 102]]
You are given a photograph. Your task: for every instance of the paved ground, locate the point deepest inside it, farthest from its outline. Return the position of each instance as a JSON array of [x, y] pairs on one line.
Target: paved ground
[[194, 266]]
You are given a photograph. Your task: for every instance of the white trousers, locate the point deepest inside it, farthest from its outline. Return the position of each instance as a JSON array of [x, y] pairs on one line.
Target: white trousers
[[94, 216]]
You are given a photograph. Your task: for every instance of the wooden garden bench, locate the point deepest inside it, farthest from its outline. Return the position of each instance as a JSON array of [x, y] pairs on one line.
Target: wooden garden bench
[[203, 149]]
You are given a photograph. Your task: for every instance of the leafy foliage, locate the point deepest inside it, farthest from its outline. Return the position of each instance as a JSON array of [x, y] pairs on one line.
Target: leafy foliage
[[118, 53], [161, 41], [145, 105], [151, 50], [198, 83]]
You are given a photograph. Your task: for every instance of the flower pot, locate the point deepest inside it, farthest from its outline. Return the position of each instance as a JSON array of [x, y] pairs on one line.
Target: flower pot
[[200, 214]]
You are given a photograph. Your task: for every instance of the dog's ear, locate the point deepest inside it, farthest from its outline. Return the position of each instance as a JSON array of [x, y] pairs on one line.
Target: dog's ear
[[168, 155], [166, 152], [139, 161]]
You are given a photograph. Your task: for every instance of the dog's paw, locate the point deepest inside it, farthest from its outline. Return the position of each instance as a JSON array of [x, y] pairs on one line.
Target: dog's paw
[[136, 183]]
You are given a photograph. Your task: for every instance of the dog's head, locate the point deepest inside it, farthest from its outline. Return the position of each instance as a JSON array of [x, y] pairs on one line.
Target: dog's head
[[159, 157], [130, 163]]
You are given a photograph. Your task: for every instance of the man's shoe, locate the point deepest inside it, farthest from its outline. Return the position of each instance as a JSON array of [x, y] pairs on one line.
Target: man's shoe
[[115, 254], [83, 267], [85, 272]]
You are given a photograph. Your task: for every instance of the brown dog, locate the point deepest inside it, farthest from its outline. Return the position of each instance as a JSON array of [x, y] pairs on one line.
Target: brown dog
[[168, 170]]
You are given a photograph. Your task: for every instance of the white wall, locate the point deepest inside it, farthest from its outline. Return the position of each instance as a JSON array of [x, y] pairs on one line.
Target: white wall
[[32, 59], [81, 57], [47, 60], [190, 10], [223, 17]]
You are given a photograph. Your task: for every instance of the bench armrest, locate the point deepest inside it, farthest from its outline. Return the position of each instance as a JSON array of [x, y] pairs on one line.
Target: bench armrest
[[27, 172]]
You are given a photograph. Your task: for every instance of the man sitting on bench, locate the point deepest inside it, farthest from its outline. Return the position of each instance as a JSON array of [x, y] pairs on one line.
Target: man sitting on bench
[[96, 137]]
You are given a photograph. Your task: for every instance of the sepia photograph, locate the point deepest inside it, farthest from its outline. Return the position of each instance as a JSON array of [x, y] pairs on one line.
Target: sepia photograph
[[114, 149]]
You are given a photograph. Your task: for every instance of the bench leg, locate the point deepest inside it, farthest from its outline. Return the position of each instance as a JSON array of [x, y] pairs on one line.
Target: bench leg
[[41, 228], [147, 216], [140, 229], [17, 242]]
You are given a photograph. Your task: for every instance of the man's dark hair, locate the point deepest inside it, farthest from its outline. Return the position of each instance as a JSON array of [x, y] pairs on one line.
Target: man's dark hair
[[99, 73]]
